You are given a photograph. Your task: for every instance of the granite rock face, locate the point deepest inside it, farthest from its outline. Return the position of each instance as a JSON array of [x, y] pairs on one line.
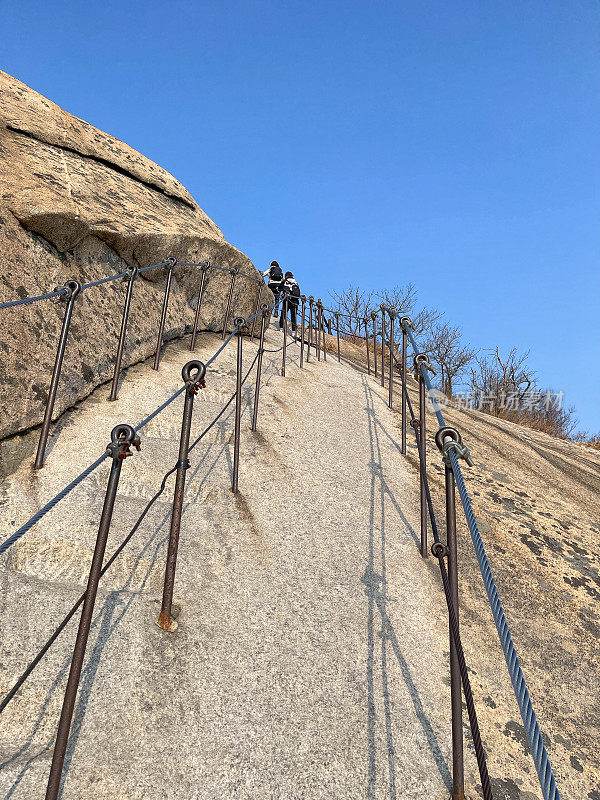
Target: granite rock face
[[78, 203]]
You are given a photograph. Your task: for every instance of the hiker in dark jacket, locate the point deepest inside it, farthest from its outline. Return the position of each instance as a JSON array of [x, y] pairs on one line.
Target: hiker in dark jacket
[[291, 297], [274, 282]]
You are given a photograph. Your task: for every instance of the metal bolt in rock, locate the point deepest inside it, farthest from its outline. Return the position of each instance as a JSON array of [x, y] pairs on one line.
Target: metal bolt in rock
[[261, 349], [204, 268], [70, 292], [233, 272], [163, 317], [192, 384], [130, 276], [122, 438]]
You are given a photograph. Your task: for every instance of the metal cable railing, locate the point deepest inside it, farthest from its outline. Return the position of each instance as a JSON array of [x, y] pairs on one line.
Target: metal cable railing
[[448, 440], [454, 450], [450, 443], [72, 290], [70, 614], [124, 437], [26, 526]]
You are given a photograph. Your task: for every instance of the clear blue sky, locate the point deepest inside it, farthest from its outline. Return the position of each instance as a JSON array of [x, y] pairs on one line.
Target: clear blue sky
[[452, 144]]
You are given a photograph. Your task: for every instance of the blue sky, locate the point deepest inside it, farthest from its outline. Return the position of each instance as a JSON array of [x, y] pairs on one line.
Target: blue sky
[[452, 144]]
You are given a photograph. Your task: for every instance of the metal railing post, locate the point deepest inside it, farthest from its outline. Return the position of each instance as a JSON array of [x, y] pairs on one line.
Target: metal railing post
[[193, 384], [337, 325], [122, 437], [284, 309], [233, 272], [70, 291], [374, 318], [421, 361], [458, 778], [263, 325], [383, 310], [204, 268], [254, 318], [318, 325], [163, 317], [444, 438], [303, 298], [403, 323], [367, 343], [239, 321], [322, 318], [392, 313], [311, 301], [130, 277]]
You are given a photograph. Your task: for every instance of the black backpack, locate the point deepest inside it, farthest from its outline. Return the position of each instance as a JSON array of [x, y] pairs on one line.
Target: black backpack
[[295, 291], [275, 274]]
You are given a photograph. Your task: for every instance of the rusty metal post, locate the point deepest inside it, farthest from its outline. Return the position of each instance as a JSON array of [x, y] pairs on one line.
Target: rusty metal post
[[367, 343], [374, 318], [337, 325], [383, 310], [70, 291], [192, 385], [322, 320], [163, 317], [284, 309], [392, 312], [239, 322], [404, 385], [311, 301], [255, 316], [458, 772], [204, 267], [233, 272], [303, 298], [318, 325], [422, 462], [263, 324], [122, 437], [130, 276]]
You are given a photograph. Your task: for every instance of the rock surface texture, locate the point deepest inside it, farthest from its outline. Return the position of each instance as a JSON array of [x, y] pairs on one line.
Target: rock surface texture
[[311, 657], [78, 203]]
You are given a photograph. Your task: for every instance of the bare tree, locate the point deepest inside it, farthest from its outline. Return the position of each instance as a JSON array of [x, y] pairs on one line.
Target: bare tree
[[501, 383], [445, 346], [353, 305]]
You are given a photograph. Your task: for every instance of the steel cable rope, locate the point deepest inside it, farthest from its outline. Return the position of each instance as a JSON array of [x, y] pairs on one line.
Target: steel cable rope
[[22, 530], [464, 673], [59, 629], [532, 728], [49, 295]]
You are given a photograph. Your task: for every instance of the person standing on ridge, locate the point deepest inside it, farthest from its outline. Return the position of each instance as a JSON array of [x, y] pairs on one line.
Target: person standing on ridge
[[274, 282], [291, 298]]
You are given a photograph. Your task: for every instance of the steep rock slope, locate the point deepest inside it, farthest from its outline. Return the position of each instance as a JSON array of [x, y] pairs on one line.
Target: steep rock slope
[[312, 654], [77, 203]]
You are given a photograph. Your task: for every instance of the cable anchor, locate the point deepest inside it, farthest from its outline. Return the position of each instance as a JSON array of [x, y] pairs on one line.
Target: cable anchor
[[447, 439]]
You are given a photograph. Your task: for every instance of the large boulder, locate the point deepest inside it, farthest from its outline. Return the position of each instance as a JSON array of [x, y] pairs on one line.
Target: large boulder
[[78, 203]]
